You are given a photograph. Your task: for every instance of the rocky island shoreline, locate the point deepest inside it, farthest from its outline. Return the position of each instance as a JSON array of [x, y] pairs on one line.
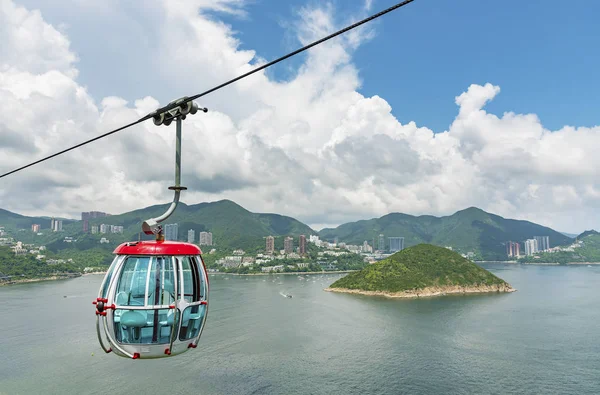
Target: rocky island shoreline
[[429, 291]]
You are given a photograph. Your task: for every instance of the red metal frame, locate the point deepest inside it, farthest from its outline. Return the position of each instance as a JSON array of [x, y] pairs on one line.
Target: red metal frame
[[157, 248]]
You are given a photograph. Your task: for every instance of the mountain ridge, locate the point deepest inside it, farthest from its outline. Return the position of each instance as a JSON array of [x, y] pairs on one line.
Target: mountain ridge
[[232, 225], [469, 230], [587, 233]]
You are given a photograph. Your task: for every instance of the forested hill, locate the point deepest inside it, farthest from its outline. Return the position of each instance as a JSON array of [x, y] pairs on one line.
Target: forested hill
[[419, 267]]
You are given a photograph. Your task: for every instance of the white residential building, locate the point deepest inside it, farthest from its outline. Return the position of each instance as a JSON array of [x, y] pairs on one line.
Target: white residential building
[[531, 246], [206, 238]]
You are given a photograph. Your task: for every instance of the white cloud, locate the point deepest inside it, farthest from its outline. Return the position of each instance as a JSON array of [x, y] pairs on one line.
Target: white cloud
[[311, 147], [30, 44]]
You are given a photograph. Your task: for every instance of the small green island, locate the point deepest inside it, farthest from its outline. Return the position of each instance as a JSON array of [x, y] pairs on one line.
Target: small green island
[[419, 271]]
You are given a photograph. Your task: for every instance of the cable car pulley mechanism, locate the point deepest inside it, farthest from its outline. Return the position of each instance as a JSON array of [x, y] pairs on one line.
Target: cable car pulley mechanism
[[151, 226]]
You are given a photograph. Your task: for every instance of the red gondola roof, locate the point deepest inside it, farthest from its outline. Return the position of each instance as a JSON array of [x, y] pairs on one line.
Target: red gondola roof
[[157, 248]]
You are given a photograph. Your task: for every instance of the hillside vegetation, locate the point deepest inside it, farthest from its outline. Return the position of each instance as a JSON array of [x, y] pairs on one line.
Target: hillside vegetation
[[232, 226], [419, 267], [26, 266], [589, 251], [588, 233]]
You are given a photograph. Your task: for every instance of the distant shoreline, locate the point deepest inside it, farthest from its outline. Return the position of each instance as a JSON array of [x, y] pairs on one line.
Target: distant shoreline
[[430, 291], [583, 263], [400, 295], [541, 263], [259, 274], [557, 263], [285, 273], [36, 280]]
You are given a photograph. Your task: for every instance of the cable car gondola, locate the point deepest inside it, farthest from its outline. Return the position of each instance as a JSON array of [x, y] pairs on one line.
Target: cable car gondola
[[153, 302]]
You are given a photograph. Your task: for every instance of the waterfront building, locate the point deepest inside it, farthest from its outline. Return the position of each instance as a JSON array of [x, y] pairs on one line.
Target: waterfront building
[[302, 245], [513, 249], [543, 242], [288, 245], [270, 244], [531, 246]]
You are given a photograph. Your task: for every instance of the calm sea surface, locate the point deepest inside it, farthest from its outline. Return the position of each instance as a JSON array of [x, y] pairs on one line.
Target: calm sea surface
[[543, 339]]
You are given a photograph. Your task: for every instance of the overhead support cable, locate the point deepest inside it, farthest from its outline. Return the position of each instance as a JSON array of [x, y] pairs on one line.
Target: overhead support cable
[[178, 103]]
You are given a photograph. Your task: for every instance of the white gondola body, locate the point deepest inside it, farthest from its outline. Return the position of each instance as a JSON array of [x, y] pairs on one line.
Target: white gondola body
[[153, 302]]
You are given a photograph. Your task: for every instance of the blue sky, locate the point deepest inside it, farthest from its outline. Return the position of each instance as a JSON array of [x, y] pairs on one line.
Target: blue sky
[[543, 54], [327, 157]]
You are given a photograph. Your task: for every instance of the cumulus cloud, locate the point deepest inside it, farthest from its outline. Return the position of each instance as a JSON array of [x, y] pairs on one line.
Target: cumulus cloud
[[311, 147], [30, 44]]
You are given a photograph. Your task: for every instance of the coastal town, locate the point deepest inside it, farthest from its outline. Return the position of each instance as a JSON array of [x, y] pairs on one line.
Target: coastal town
[[329, 256], [299, 253]]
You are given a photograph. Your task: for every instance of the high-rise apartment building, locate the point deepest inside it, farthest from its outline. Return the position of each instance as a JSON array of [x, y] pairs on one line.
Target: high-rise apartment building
[[396, 244], [35, 228], [191, 235], [543, 242], [171, 232], [86, 216], [513, 249], [270, 248], [531, 246], [302, 245], [381, 243], [206, 238], [288, 245]]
